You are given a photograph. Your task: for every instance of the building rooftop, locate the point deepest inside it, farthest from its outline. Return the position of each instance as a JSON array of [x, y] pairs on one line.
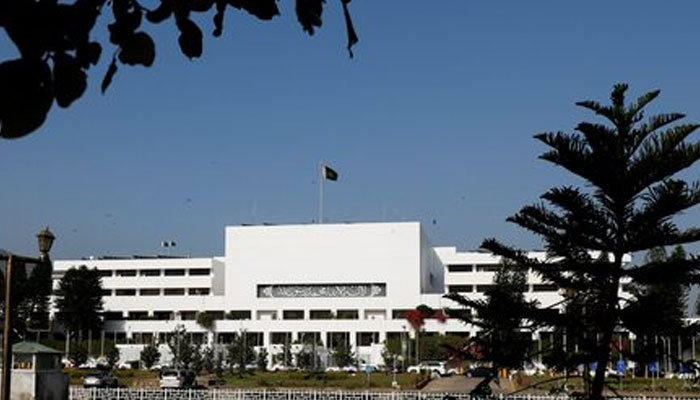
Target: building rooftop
[[33, 348]]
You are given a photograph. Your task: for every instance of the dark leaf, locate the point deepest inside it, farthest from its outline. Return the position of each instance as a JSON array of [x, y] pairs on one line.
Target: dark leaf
[[138, 49], [202, 5], [89, 53], [190, 39], [161, 13], [109, 75], [309, 14], [124, 26], [352, 36], [69, 79], [26, 96], [219, 17], [263, 9]]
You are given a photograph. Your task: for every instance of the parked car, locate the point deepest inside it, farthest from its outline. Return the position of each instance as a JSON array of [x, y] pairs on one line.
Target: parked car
[[177, 378], [438, 367], [100, 379], [368, 368], [281, 367]]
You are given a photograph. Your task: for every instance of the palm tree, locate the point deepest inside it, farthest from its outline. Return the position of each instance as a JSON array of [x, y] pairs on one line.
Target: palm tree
[[630, 197]]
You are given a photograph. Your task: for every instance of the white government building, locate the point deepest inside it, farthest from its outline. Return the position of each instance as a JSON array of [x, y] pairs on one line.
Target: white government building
[[279, 283]]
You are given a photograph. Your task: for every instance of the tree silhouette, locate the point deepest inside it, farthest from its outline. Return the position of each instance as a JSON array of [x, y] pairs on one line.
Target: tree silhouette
[[79, 300], [627, 204], [57, 46], [504, 317]]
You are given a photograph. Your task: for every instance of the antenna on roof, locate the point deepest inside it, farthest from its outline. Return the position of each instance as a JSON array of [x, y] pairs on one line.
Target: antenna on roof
[[167, 244]]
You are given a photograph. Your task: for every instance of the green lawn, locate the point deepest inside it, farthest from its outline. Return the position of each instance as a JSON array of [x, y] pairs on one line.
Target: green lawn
[[335, 380], [637, 385], [329, 380]]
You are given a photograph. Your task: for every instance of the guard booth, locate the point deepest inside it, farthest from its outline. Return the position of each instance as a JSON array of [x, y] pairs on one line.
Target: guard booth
[[37, 373]]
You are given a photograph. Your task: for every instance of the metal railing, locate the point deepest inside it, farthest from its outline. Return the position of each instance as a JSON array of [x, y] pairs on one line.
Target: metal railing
[[77, 393]]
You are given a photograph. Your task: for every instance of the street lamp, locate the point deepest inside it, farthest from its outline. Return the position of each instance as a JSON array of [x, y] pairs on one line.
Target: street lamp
[[45, 240]]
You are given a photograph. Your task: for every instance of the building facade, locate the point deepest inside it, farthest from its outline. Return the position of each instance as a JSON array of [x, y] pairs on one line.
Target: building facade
[[284, 283]]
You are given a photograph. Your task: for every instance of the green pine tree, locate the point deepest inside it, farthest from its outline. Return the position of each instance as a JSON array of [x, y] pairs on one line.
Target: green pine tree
[[79, 300], [630, 195], [504, 318]]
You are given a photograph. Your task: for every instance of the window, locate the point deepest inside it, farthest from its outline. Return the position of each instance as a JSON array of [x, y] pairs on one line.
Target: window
[[104, 272], [367, 338], [280, 337], [310, 337], [226, 337], [113, 316], [120, 337], [149, 272], [459, 312], [216, 315], [336, 339], [188, 315], [198, 338], [174, 272], [200, 271], [320, 314], [199, 291], [174, 292], [125, 292], [255, 338], [460, 288], [348, 314], [544, 287], [375, 314], [106, 292], [399, 314], [162, 315], [483, 288], [126, 272], [460, 268], [138, 314], [293, 314], [488, 267], [238, 314], [149, 292]]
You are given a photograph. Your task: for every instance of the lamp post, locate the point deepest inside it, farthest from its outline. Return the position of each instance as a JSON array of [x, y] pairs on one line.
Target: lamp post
[[45, 240]]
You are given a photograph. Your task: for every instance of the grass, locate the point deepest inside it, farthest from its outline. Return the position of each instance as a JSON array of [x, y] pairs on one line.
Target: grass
[[627, 385], [292, 379], [335, 380]]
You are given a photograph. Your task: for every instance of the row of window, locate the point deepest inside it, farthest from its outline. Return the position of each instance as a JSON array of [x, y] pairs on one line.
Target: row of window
[[473, 267], [542, 287], [157, 292], [331, 339], [247, 315], [155, 272]]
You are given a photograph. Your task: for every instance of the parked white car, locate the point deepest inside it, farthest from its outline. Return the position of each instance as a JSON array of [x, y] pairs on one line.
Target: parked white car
[[177, 378], [438, 367]]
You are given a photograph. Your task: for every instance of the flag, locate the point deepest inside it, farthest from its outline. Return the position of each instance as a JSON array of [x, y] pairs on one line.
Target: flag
[[329, 173]]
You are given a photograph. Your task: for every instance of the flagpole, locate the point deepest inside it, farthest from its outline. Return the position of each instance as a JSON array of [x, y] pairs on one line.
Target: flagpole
[[321, 178]]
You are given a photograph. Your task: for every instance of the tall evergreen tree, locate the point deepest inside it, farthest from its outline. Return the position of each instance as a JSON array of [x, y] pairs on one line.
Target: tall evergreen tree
[[240, 352], [627, 205], [30, 296], [504, 318], [79, 300]]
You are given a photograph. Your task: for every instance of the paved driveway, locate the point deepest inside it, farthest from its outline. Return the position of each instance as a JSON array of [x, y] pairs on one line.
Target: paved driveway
[[458, 384]]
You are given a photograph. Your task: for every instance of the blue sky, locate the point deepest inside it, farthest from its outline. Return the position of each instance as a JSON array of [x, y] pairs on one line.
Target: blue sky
[[431, 121]]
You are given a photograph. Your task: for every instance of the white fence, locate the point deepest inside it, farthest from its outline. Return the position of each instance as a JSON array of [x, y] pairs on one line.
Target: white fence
[[77, 393]]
